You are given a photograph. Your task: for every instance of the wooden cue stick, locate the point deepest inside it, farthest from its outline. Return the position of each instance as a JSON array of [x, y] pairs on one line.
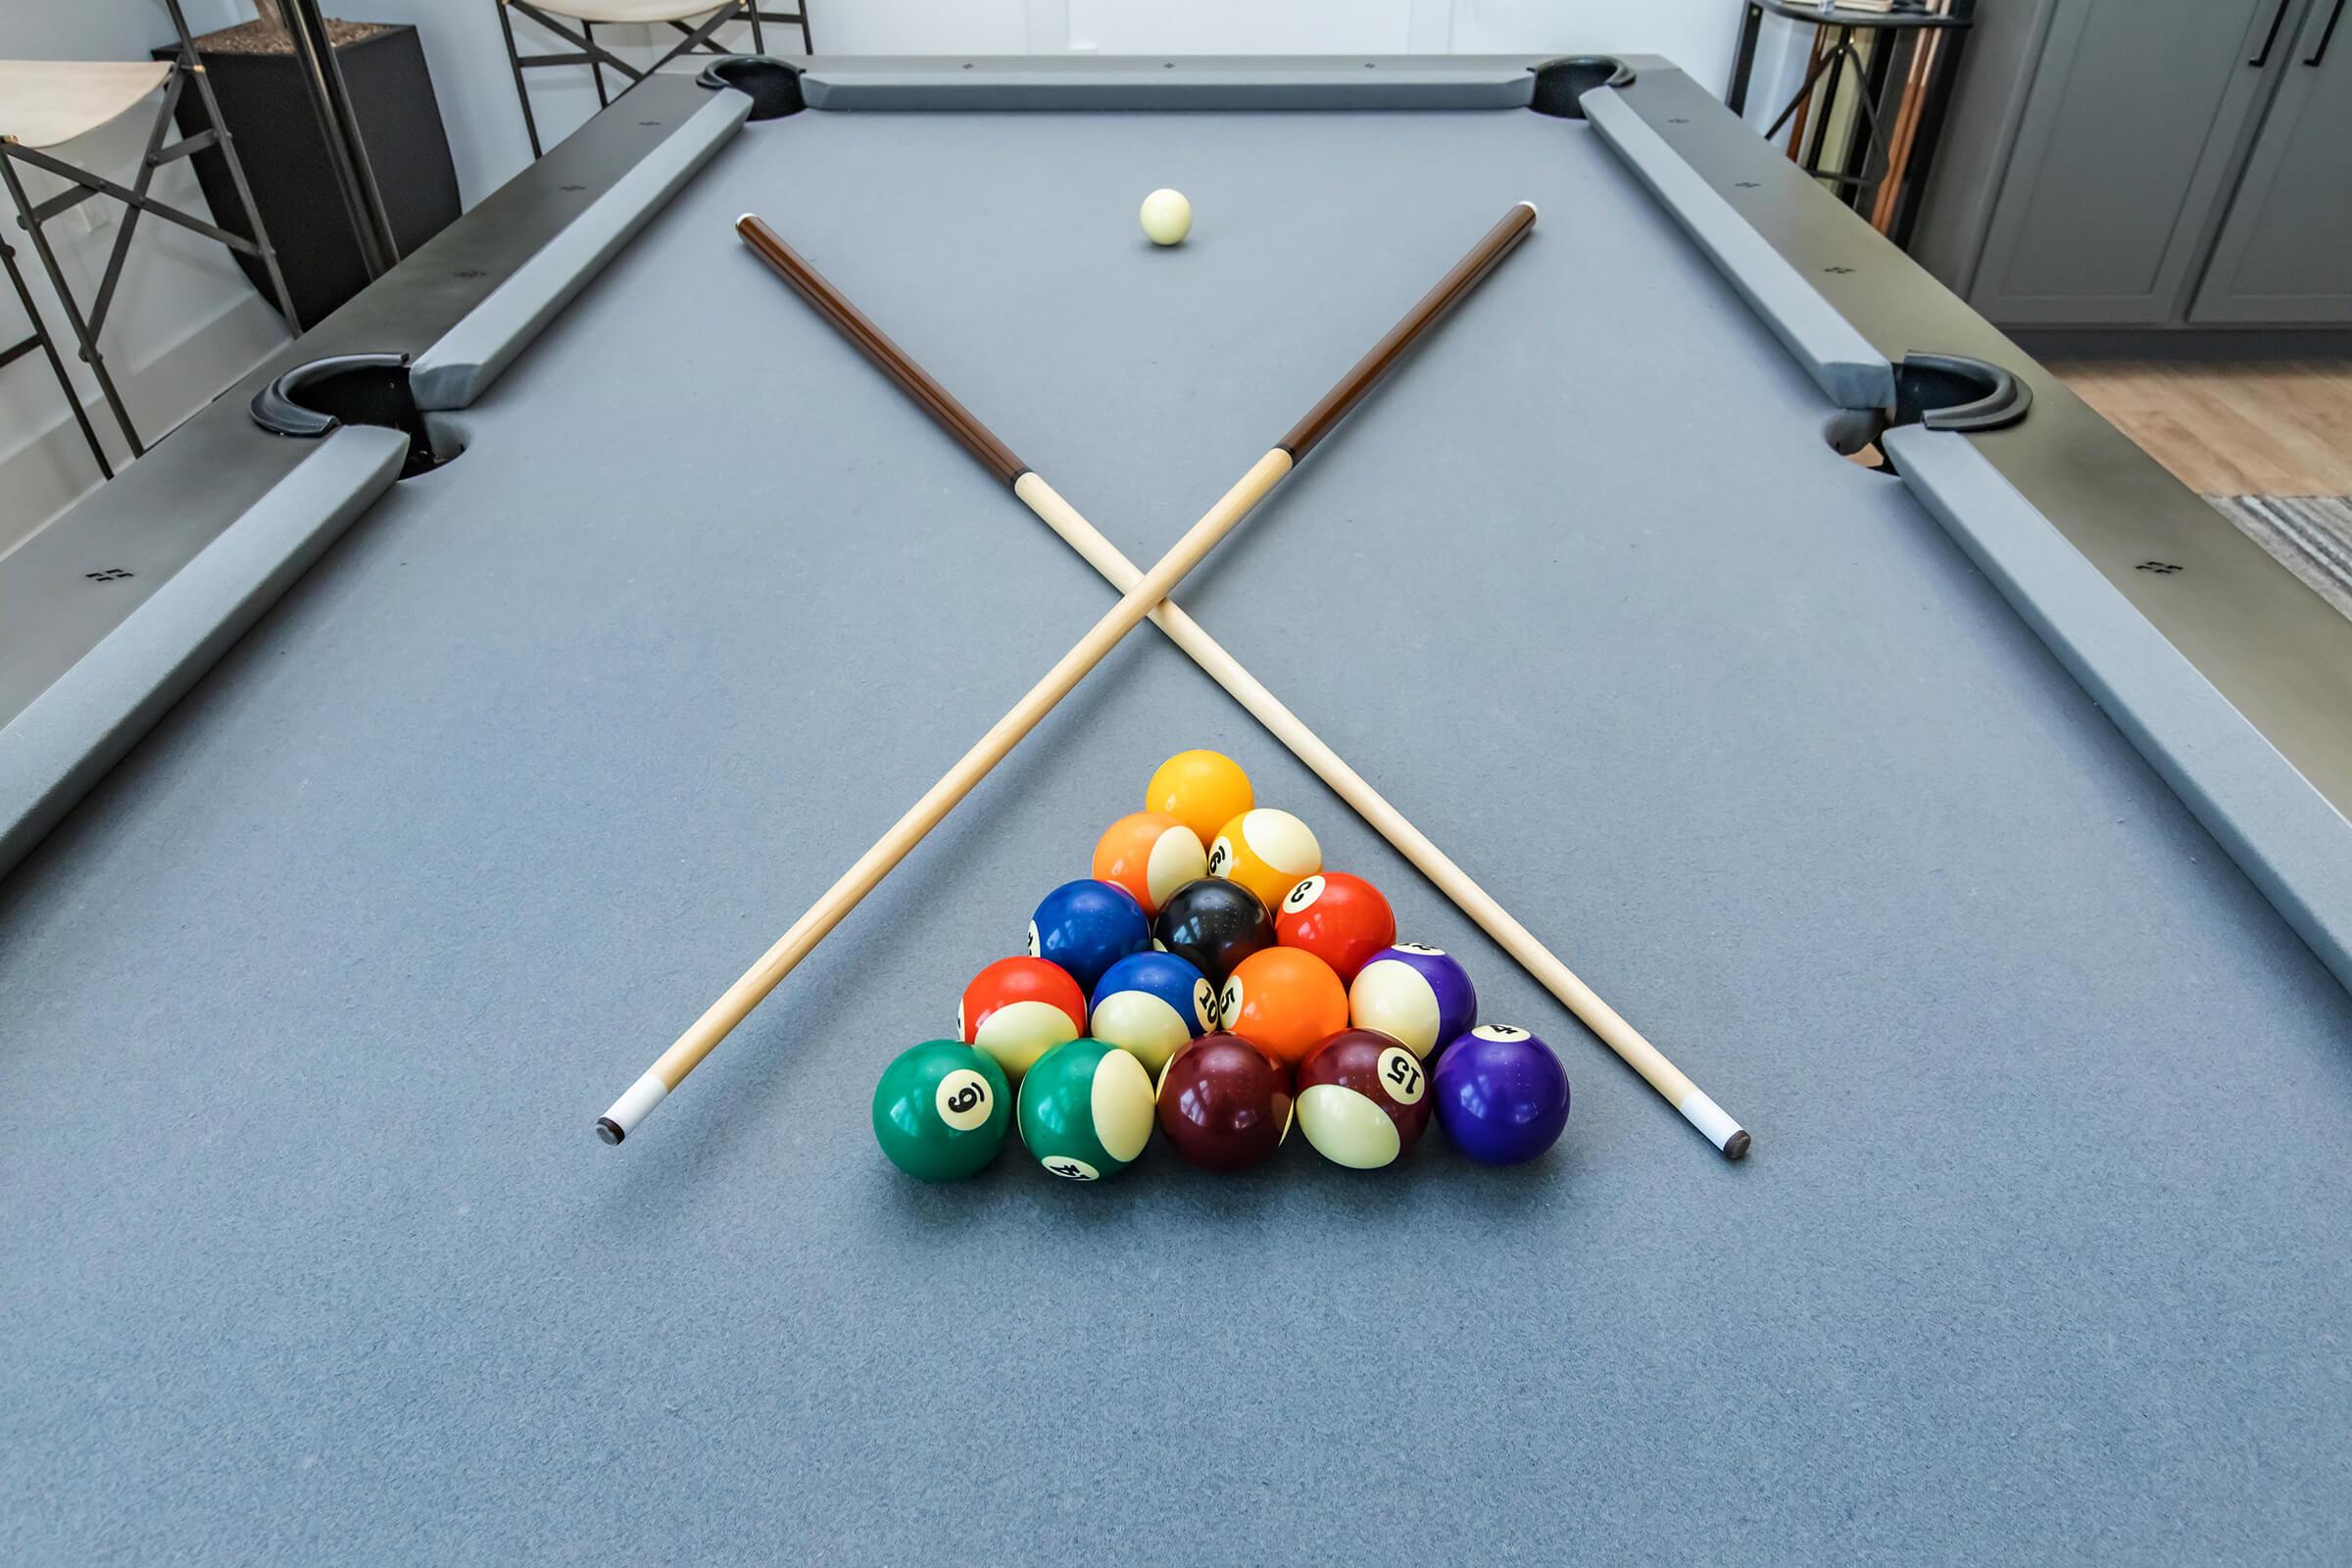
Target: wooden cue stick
[[1797, 131], [1906, 130], [1450, 879], [703, 1037]]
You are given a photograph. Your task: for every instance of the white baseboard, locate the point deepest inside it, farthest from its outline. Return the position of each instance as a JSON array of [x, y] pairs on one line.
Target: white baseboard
[[51, 468]]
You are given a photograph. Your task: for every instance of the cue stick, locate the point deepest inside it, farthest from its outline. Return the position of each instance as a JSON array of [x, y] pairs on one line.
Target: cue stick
[[1906, 131], [1701, 1111], [704, 1035]]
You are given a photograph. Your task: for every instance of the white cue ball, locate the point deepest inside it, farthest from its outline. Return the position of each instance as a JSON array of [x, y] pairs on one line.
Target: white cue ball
[[1167, 217]]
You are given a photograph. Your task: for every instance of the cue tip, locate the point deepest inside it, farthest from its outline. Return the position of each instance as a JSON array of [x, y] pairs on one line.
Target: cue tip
[[1735, 1145], [610, 1130]]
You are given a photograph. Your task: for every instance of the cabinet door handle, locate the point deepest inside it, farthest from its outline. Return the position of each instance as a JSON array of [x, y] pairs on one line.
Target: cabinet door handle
[[2270, 37], [2320, 50]]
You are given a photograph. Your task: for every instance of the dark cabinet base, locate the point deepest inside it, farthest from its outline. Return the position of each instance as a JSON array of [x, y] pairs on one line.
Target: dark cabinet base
[[278, 137]]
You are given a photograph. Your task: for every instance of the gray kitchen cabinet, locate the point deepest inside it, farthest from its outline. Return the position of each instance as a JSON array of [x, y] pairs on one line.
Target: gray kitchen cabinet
[[2124, 156], [2286, 249]]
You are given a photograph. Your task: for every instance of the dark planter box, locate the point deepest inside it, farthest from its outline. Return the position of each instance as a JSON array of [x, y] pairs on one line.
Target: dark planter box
[[259, 83]]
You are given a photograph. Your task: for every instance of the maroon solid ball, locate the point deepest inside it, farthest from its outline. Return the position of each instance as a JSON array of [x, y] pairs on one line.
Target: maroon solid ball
[[1224, 1104]]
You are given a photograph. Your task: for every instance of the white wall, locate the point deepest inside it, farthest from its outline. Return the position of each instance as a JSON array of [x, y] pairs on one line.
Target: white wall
[[188, 324]]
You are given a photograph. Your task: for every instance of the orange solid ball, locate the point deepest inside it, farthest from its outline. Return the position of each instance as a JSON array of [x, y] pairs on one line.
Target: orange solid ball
[[1284, 1000], [1150, 855]]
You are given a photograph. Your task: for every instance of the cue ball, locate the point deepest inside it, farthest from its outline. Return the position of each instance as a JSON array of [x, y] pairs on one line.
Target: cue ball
[[1150, 855], [1267, 851], [1363, 1099], [1086, 1111], [1417, 994], [1017, 1009], [1167, 217], [1284, 1001], [1341, 920], [1203, 790], [1214, 924], [1085, 927], [940, 1110], [1224, 1104], [1154, 1005], [1501, 1095]]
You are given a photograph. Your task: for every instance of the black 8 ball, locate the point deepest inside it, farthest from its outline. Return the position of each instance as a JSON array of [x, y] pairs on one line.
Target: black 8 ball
[[1214, 924]]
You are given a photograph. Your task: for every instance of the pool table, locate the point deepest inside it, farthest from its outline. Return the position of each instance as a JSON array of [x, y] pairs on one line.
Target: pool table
[[381, 790]]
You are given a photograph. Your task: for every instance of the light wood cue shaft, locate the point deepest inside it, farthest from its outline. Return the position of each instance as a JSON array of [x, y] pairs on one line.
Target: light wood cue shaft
[[737, 1001], [1700, 1111], [1907, 118], [1285, 726]]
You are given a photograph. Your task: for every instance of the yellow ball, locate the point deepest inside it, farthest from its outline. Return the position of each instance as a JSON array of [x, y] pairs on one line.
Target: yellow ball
[[1267, 851], [1167, 217], [1203, 790]]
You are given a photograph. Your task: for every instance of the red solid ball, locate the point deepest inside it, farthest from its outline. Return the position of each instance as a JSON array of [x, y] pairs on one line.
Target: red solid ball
[[1341, 920], [1224, 1104]]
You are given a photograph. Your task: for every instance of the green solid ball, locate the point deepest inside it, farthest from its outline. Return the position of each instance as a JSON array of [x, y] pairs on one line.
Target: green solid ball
[[1086, 1110], [940, 1110]]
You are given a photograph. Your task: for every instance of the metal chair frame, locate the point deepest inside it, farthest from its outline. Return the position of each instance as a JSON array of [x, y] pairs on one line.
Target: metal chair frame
[[586, 51], [82, 184]]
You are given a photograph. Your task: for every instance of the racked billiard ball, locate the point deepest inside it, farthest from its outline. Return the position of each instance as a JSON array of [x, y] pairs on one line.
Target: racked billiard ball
[[1154, 1005], [1363, 1098], [1214, 924], [1017, 1009], [1420, 994], [1086, 1111], [1203, 790], [1150, 855], [1501, 1095], [1341, 920], [1085, 927], [1224, 1104], [1284, 1001], [940, 1110], [1266, 851]]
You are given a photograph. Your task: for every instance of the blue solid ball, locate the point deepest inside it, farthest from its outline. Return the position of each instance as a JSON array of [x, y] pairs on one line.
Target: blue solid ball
[[1502, 1095], [1085, 927]]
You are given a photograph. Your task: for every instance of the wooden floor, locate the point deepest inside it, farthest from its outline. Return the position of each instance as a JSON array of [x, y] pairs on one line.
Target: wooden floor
[[2280, 428]]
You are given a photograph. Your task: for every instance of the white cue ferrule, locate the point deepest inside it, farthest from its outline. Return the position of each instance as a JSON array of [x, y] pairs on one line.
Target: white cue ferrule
[[633, 1107], [1708, 1117]]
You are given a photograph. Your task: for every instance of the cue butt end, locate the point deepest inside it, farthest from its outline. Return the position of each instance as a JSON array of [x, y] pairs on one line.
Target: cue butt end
[[1532, 214]]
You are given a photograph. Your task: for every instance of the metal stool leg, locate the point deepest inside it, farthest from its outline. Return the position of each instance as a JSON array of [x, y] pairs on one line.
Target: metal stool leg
[[56, 366], [65, 296], [192, 68], [523, 94]]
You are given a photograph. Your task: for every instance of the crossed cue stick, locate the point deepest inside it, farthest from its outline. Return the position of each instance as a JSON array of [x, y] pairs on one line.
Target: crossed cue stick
[[1145, 593]]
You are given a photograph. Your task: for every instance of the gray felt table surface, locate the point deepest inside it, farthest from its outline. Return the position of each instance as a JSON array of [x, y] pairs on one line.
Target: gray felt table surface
[[306, 1252]]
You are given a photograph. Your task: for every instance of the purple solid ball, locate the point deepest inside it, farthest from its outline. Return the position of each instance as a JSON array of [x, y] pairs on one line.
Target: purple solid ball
[[1502, 1095]]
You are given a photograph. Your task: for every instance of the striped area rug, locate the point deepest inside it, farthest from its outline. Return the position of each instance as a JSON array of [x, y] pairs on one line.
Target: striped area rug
[[2309, 536]]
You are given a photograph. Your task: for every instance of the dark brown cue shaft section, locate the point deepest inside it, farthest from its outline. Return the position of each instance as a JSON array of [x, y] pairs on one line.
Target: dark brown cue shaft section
[[1372, 367], [980, 441]]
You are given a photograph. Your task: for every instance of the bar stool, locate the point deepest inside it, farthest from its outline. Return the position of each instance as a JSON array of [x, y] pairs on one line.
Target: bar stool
[[45, 104], [696, 36]]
